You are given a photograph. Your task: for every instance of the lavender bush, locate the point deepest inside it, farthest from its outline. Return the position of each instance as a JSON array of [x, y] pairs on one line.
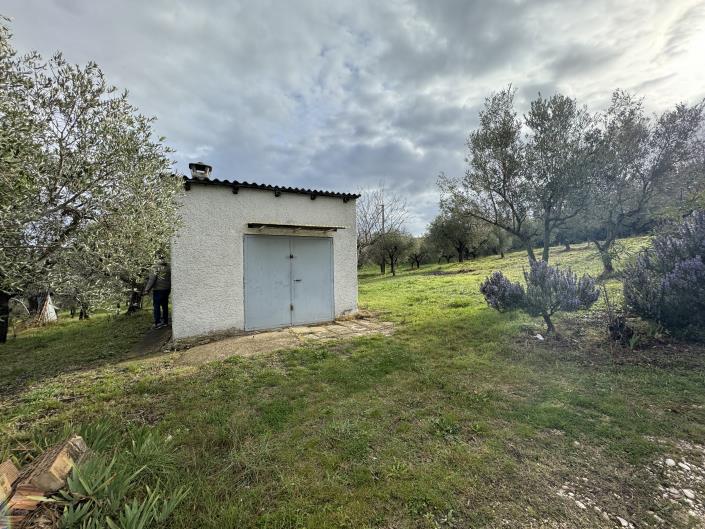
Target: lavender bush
[[666, 283], [501, 294], [548, 291]]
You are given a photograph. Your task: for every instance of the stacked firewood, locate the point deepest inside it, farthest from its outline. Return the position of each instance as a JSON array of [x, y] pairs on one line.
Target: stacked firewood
[[24, 491]]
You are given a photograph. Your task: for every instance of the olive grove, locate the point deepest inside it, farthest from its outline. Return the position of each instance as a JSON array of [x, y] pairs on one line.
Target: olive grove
[[562, 173], [87, 195]]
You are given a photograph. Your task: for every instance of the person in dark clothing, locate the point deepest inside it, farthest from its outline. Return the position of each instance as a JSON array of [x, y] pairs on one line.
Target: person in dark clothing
[[160, 284]]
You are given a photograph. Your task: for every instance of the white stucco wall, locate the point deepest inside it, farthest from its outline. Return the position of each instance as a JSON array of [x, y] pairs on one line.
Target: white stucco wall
[[207, 252]]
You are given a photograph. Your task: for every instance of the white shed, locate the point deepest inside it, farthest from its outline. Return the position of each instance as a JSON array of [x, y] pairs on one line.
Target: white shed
[[252, 256]]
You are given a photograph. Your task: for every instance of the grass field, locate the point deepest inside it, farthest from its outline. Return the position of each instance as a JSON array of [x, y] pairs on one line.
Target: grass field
[[460, 419]]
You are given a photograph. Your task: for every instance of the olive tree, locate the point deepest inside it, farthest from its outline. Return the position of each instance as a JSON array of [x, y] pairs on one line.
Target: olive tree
[[499, 240], [82, 177], [639, 158], [559, 149], [526, 176], [573, 231], [495, 188], [419, 251], [463, 233], [393, 247], [441, 249]]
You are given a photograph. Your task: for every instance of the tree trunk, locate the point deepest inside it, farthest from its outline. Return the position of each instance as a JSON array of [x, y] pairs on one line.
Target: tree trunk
[[605, 255], [461, 252], [501, 254], [530, 251], [4, 316], [607, 262], [383, 266], [550, 329], [546, 240], [83, 313], [135, 302], [392, 263]]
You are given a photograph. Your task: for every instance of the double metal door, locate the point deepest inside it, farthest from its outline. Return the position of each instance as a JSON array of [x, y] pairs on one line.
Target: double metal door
[[288, 280]]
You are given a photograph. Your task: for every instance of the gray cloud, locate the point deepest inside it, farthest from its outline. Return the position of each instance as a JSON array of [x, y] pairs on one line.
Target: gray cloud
[[582, 59], [358, 93], [683, 29]]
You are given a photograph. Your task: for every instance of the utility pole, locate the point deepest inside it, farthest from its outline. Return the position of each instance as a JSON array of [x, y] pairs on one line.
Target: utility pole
[[384, 248]]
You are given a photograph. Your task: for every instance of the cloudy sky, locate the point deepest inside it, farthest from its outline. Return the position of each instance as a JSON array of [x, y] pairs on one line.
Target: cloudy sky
[[348, 94]]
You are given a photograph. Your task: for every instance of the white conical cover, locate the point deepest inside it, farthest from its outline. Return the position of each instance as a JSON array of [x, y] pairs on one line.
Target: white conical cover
[[48, 312]]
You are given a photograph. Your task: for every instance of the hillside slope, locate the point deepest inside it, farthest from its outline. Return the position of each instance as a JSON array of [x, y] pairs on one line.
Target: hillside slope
[[461, 418]]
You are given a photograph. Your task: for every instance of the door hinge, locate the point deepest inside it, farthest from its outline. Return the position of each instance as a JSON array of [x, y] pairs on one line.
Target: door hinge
[[291, 307], [291, 256]]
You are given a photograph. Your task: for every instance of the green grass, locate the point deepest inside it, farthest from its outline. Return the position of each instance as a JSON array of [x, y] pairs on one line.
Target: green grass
[[68, 345], [460, 419]]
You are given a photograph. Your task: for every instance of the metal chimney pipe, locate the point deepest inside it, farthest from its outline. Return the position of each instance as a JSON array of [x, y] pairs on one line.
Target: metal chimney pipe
[[200, 170]]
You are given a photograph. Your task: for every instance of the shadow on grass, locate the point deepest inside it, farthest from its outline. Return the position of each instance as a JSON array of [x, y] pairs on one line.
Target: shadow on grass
[[67, 346]]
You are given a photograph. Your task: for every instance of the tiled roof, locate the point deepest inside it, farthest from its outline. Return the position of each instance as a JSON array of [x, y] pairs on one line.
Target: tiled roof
[[236, 185]]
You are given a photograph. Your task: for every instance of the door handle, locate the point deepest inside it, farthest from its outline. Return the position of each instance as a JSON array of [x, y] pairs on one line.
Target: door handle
[[297, 280]]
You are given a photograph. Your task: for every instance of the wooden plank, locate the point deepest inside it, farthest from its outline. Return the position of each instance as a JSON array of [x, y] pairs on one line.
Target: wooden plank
[[49, 471], [25, 501], [8, 476], [14, 520]]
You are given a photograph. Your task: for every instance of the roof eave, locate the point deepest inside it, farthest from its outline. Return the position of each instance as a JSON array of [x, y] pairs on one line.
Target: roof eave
[[236, 186]]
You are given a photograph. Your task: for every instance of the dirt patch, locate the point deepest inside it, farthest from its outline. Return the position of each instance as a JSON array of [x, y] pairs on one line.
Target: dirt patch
[[584, 340], [152, 342], [252, 344], [677, 497], [682, 477]]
